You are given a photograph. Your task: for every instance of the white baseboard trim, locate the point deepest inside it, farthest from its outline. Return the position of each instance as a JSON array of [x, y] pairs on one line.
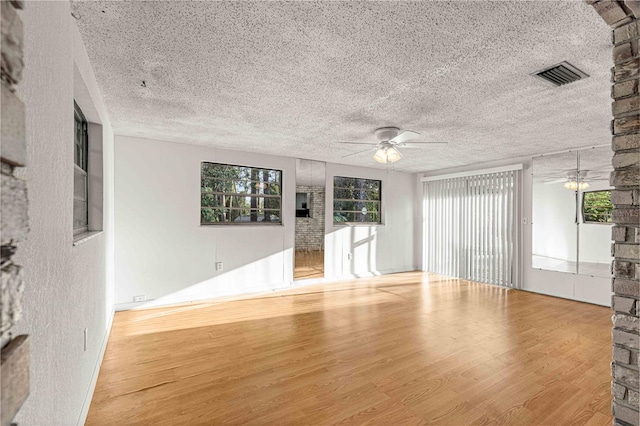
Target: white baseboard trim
[[370, 274], [131, 305], [257, 292], [560, 296], [96, 372]]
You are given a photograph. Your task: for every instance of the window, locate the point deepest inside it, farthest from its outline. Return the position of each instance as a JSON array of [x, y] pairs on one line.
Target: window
[[356, 200], [596, 207], [237, 195], [80, 175]]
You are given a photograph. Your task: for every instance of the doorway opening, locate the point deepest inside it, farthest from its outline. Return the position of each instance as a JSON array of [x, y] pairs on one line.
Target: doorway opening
[[310, 220]]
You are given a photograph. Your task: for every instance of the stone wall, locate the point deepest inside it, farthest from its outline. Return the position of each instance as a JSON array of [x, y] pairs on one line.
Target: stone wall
[[14, 225], [310, 230], [13, 202], [623, 16]]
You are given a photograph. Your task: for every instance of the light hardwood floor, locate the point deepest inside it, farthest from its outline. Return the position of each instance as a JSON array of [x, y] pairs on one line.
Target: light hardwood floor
[[308, 264], [409, 348]]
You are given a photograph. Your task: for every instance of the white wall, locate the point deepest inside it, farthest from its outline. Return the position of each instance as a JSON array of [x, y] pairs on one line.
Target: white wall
[[67, 288], [571, 286], [375, 249], [162, 252]]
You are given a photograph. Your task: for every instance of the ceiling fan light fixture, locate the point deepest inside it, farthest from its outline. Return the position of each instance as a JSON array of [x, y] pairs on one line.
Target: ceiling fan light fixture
[[393, 155], [387, 154], [573, 185], [381, 155]]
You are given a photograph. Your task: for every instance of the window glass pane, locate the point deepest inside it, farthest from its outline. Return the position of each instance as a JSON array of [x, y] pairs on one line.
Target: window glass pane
[[79, 185], [257, 215], [79, 214], [213, 215], [356, 200], [78, 143], [80, 177], [370, 206], [239, 194], [80, 139], [272, 203], [210, 200], [597, 206], [356, 194], [371, 217], [225, 215]]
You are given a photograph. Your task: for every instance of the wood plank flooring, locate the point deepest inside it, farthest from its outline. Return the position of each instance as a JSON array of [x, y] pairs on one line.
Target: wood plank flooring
[[411, 348], [308, 264]]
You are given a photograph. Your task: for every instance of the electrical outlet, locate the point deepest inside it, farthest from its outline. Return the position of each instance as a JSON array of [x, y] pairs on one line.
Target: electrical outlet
[[85, 336], [140, 298], [218, 266], [350, 256]]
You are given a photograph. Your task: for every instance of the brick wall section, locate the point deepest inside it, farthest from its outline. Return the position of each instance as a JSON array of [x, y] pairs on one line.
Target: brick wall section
[[13, 193], [623, 16], [310, 230]]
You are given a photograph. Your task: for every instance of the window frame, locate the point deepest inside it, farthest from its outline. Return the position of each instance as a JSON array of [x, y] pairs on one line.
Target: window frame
[[378, 201], [234, 194], [582, 205], [82, 169]]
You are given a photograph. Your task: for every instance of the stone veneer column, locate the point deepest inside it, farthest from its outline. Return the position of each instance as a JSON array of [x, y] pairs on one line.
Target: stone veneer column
[[623, 16], [14, 370]]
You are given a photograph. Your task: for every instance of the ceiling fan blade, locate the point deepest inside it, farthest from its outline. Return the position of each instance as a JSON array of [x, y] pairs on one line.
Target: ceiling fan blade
[[419, 144], [404, 136], [355, 153]]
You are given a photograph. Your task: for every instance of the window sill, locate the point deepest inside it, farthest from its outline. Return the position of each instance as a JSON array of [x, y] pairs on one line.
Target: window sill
[[84, 237]]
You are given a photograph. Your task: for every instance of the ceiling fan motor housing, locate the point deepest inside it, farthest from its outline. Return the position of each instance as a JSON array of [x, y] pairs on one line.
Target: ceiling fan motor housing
[[383, 134]]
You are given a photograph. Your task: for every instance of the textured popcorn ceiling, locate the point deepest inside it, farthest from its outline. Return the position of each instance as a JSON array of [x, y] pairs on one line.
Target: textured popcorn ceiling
[[296, 78]]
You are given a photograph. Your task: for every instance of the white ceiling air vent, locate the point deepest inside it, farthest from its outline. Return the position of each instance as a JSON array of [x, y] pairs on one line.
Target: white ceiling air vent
[[561, 74]]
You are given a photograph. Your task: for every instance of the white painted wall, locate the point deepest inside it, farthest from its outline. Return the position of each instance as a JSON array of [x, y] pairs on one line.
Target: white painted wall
[[571, 286], [375, 249], [162, 252], [67, 288]]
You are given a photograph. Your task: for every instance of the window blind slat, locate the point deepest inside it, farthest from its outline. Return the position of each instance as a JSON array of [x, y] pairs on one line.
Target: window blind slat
[[510, 230], [472, 227], [494, 226]]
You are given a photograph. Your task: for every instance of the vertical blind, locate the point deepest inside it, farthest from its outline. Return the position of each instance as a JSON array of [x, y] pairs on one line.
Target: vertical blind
[[472, 227]]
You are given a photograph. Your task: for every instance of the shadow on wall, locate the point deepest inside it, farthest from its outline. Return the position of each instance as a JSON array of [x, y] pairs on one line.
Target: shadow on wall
[[367, 250], [352, 251], [196, 277]]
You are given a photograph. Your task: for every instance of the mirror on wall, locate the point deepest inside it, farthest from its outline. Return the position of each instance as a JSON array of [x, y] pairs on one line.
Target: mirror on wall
[[310, 213], [572, 212], [594, 206], [555, 232]]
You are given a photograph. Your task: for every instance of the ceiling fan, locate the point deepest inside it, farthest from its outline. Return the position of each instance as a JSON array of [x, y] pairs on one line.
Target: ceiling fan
[[389, 140], [574, 180], [573, 175]]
